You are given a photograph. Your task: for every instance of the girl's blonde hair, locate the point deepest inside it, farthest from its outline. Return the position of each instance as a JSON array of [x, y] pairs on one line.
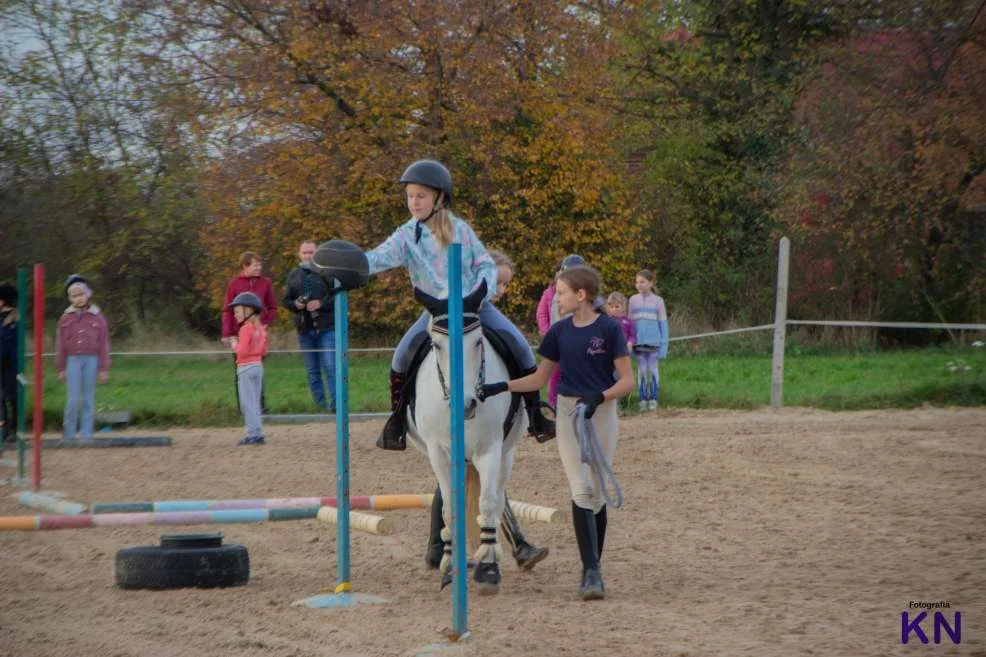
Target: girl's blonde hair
[[441, 223], [501, 259], [616, 297]]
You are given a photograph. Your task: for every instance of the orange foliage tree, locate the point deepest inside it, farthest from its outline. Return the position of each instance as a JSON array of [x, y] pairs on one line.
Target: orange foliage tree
[[319, 106]]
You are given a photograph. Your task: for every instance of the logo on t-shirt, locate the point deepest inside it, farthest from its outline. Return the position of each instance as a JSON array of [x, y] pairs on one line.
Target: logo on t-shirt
[[597, 346]]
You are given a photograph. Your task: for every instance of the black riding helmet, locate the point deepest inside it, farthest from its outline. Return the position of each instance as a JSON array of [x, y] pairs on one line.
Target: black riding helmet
[[73, 279], [248, 299], [430, 173], [571, 260]]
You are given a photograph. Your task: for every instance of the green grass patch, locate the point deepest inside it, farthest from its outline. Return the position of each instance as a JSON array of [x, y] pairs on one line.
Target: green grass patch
[[199, 391]]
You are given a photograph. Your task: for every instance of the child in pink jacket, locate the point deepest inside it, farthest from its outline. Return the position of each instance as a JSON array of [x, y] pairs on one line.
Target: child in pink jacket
[[82, 353], [547, 314]]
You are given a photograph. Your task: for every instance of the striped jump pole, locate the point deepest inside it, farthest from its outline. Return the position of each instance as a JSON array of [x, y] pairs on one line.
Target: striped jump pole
[[362, 521], [359, 502]]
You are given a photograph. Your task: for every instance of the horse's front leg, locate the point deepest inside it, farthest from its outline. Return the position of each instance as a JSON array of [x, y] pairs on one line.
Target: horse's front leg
[[489, 553], [441, 466]]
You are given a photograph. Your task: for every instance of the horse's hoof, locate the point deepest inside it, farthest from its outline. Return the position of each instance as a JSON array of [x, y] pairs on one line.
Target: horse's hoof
[[487, 576], [528, 556], [446, 579]]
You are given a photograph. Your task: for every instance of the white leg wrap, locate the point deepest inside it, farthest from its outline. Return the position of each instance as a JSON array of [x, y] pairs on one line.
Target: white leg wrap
[[489, 550], [446, 563]]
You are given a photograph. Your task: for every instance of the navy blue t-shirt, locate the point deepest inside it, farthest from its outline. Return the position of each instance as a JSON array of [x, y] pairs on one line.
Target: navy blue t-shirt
[[585, 354]]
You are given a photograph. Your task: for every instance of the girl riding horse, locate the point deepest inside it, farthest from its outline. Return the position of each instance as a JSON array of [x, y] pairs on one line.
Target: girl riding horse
[[420, 246]]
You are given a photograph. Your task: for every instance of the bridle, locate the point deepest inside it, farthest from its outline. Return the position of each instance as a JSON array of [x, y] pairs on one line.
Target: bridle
[[470, 322]]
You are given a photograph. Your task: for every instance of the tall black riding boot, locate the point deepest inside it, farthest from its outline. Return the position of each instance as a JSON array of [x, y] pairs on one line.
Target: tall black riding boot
[[436, 547], [393, 435], [539, 426], [584, 521], [525, 553], [601, 530]]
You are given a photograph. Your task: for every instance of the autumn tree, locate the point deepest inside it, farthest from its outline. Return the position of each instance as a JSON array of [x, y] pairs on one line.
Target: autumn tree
[[709, 91], [887, 187], [97, 172], [319, 106]]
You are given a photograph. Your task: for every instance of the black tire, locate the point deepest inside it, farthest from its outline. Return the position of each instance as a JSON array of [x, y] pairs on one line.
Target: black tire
[[185, 541], [158, 568]]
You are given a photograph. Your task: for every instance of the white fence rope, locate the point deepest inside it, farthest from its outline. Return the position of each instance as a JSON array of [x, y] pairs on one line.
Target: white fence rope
[[749, 329]]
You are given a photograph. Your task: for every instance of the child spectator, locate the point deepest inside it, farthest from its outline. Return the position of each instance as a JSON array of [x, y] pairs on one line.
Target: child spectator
[[250, 348], [616, 307], [82, 353], [650, 321]]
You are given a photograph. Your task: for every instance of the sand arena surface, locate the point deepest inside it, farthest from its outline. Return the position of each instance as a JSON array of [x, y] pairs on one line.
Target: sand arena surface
[[744, 533]]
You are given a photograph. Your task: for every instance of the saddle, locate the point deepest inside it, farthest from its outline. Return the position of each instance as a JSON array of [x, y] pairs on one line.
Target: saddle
[[501, 342]]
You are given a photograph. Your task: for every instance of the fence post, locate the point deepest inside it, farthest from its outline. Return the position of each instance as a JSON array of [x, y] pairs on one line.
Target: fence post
[[780, 325]]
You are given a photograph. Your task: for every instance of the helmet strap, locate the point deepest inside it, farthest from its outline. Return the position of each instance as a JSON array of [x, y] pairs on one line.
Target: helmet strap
[[438, 207], [246, 317]]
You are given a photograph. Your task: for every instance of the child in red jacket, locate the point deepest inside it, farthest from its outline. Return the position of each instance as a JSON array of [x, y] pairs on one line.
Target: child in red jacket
[[82, 353]]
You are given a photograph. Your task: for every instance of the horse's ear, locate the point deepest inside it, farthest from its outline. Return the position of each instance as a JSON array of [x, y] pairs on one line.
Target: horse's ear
[[472, 302], [434, 306]]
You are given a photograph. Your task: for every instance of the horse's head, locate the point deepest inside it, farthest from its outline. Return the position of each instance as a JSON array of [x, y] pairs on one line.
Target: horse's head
[[473, 356]]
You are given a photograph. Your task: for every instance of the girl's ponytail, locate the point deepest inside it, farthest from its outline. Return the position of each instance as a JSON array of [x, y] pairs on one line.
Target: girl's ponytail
[[441, 227]]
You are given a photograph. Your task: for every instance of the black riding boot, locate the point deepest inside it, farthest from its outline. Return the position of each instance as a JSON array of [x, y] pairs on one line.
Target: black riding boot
[[393, 435], [584, 521], [601, 530], [436, 546], [539, 426], [526, 554]]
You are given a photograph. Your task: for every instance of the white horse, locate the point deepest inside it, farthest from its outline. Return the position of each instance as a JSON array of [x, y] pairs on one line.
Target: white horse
[[485, 445]]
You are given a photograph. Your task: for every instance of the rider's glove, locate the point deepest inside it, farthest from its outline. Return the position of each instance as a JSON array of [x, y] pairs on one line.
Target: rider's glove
[[491, 389], [591, 402]]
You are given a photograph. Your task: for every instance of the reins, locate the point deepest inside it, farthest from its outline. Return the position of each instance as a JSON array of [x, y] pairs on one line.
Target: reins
[[591, 453], [474, 324]]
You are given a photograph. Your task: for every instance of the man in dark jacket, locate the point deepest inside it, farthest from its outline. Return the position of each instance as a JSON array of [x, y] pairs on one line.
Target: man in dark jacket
[[310, 301]]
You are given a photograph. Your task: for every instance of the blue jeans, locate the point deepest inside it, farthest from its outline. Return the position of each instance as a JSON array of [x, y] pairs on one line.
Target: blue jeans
[[316, 361], [80, 382]]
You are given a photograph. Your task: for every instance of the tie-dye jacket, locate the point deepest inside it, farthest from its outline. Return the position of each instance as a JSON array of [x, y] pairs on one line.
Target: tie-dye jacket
[[427, 262], [650, 321]]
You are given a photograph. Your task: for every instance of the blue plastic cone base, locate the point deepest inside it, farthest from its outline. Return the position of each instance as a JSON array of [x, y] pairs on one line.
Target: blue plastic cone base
[[335, 600]]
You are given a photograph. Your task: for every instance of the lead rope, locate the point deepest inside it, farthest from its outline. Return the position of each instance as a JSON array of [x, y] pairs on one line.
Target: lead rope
[[591, 453]]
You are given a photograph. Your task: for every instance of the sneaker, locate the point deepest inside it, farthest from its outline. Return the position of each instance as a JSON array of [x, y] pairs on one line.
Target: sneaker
[[642, 406], [528, 555], [253, 440], [652, 405]]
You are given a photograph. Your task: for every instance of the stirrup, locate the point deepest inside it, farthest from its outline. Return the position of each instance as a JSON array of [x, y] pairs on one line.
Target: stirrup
[[393, 437], [541, 426]]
